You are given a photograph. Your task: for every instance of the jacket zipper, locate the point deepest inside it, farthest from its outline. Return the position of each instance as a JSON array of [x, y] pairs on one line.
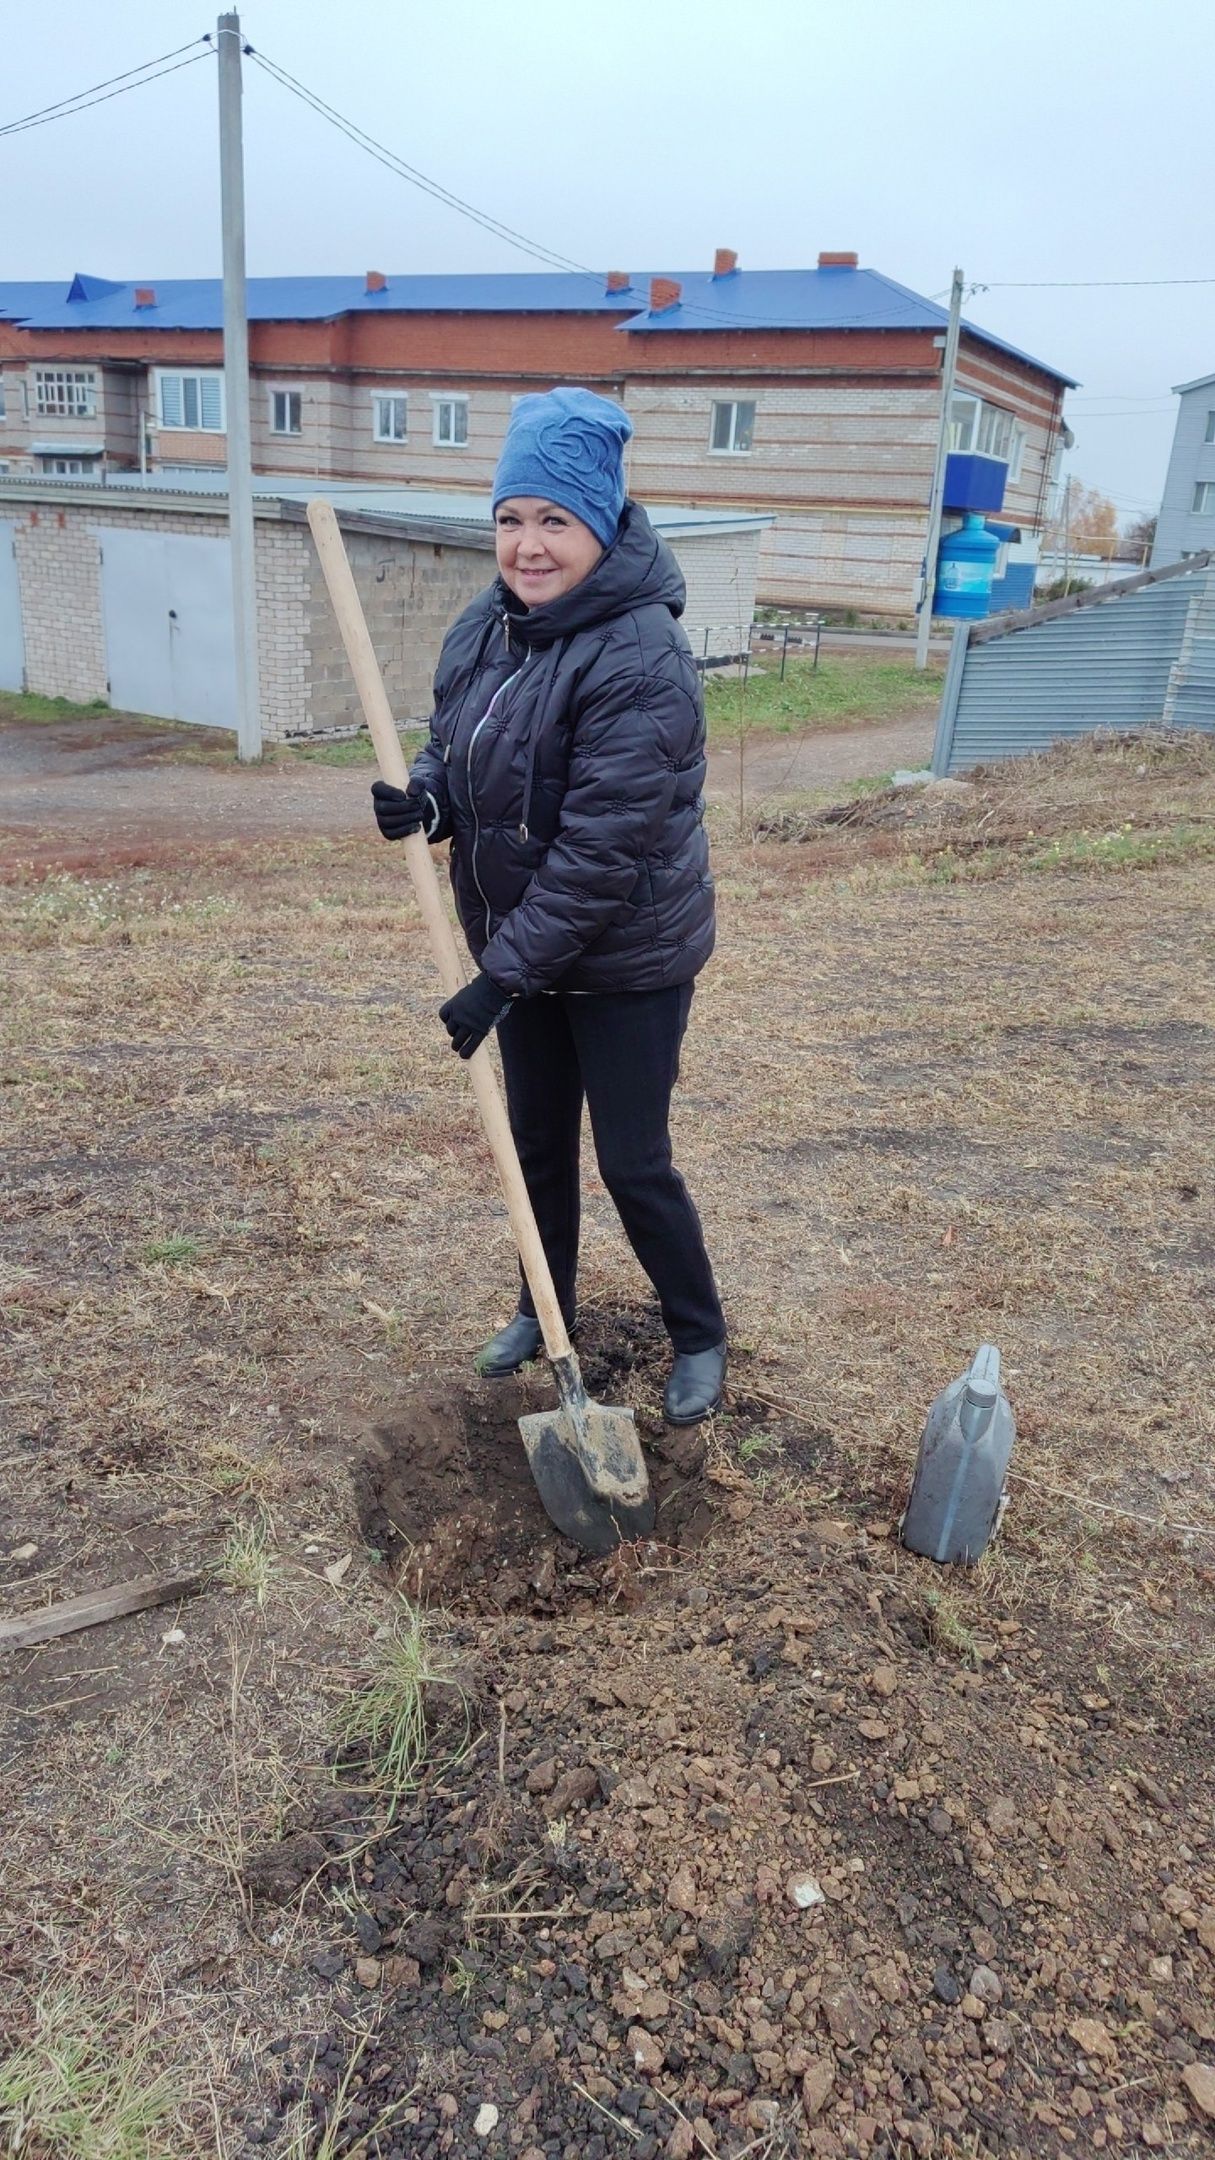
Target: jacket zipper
[[472, 800]]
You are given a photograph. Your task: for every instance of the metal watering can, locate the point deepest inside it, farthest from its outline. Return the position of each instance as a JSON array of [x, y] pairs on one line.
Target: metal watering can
[[957, 1494]]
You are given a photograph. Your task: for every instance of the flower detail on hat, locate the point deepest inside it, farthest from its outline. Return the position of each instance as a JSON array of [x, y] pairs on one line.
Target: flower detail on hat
[[582, 459]]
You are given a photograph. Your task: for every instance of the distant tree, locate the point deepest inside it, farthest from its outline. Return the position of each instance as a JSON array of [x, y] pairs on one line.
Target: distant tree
[[1139, 538], [1086, 522]]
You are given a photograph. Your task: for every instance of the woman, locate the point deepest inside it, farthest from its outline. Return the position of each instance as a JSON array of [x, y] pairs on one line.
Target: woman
[[565, 764]]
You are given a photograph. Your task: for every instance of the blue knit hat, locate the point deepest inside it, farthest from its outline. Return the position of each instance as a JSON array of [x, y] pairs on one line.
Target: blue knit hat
[[568, 447]]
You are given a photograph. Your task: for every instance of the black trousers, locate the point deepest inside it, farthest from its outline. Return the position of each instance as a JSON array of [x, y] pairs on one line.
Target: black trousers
[[619, 1051]]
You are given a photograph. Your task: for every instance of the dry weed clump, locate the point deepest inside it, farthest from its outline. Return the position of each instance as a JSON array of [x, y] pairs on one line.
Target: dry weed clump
[[390, 1721]]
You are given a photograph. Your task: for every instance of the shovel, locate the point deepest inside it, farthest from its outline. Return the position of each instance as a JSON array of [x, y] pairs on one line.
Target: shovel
[[586, 1460]]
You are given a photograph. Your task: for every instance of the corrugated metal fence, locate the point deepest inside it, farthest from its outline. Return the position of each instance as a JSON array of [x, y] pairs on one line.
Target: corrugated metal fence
[[1140, 653]]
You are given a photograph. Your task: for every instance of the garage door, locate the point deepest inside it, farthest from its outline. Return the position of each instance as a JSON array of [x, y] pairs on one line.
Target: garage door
[[167, 606], [12, 651]]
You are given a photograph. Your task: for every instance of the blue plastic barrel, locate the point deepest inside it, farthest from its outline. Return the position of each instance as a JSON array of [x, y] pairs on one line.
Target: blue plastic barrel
[[966, 566]]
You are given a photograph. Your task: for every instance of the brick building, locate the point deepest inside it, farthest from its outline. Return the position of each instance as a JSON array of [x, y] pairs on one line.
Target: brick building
[[810, 394]]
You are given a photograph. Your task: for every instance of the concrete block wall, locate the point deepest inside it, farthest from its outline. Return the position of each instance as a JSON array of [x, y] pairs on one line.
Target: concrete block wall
[[412, 591]]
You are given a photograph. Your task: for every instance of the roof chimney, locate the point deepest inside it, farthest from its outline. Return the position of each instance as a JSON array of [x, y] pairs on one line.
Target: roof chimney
[[665, 293], [376, 281], [145, 296], [617, 281], [725, 262], [838, 262]]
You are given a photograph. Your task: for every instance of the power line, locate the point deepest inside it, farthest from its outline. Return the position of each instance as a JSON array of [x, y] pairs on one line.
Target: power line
[[550, 257], [1085, 284], [404, 171], [67, 108]]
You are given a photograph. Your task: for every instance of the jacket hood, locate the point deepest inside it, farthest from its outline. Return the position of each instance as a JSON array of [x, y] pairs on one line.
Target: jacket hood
[[637, 570]]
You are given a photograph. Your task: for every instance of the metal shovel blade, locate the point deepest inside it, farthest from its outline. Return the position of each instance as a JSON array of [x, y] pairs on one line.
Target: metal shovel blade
[[588, 1466]]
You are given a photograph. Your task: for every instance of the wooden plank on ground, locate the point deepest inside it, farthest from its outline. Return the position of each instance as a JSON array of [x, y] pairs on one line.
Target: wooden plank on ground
[[92, 1607]]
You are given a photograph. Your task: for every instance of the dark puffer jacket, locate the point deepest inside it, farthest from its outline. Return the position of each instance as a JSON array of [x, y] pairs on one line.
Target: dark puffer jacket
[[566, 762]]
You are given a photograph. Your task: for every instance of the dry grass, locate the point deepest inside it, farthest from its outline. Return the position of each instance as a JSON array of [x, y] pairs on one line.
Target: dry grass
[[920, 1108], [81, 2088]]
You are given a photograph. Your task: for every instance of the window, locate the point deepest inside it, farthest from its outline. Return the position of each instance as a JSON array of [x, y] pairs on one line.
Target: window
[[285, 412], [64, 467], [192, 401], [982, 430], [3, 414], [963, 422], [66, 393], [1204, 498], [1210, 433], [389, 419], [733, 428], [451, 422], [995, 433]]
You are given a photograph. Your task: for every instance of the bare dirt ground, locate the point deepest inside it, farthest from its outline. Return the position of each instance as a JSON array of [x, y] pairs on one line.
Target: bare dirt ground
[[109, 789], [950, 1078]]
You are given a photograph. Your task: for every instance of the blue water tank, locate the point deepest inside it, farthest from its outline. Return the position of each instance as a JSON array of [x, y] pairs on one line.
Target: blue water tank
[[966, 566]]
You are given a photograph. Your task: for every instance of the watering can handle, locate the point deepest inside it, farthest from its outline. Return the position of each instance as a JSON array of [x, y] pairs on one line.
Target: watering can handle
[[983, 1379]]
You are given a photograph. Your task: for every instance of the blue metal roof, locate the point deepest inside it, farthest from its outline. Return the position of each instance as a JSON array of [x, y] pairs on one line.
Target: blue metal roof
[[835, 298], [21, 299]]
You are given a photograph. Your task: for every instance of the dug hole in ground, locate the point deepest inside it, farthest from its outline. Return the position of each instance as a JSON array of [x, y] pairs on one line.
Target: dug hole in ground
[[416, 1834]]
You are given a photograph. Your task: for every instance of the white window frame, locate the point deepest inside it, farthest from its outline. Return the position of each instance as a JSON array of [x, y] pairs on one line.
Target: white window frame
[[733, 406], [979, 417], [198, 376], [964, 428], [996, 423], [67, 468], [65, 393], [381, 398], [1210, 432], [1203, 504], [3, 403], [448, 401], [285, 391]]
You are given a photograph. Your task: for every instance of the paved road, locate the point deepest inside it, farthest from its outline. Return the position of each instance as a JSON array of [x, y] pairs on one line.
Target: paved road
[[106, 786]]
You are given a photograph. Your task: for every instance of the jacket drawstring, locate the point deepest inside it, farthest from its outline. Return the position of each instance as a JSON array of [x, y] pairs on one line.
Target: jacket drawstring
[[543, 691]]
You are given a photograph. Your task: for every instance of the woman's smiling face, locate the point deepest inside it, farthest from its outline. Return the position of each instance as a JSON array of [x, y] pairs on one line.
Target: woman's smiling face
[[543, 550]]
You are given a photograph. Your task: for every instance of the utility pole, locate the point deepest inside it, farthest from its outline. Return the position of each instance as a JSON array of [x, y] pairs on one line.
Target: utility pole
[[1067, 536], [949, 366], [236, 393]]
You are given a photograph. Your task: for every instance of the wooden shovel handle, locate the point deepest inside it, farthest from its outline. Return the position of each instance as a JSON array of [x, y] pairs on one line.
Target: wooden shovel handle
[[377, 712]]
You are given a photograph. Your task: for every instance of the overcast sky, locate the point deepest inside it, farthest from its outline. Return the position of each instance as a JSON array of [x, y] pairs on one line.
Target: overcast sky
[[1054, 142]]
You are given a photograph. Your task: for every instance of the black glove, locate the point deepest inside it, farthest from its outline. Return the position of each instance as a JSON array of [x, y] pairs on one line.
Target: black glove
[[472, 1012], [398, 811]]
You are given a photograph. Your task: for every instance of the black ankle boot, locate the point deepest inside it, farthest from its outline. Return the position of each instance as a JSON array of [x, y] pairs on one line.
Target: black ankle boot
[[511, 1348], [694, 1389]]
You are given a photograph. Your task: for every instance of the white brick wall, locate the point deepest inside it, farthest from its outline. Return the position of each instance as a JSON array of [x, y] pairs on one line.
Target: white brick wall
[[721, 571], [59, 573]]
